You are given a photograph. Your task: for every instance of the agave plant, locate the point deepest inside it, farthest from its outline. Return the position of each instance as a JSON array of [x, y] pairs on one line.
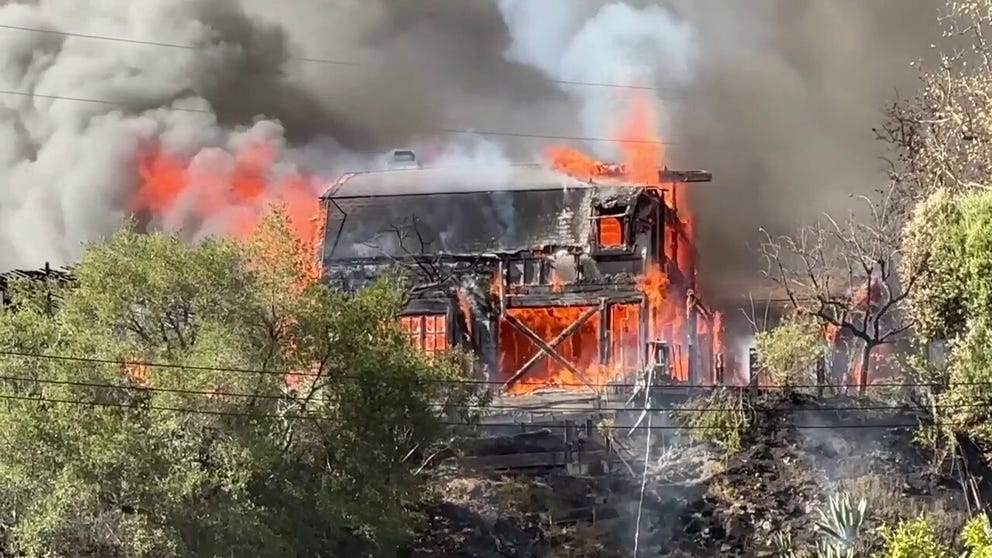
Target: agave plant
[[841, 522], [827, 549]]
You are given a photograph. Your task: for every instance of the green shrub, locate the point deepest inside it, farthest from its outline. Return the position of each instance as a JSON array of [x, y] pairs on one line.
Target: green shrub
[[977, 537], [790, 352], [721, 418], [912, 539]]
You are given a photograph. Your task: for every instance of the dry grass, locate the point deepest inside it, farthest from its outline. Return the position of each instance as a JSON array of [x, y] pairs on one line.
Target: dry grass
[[889, 503]]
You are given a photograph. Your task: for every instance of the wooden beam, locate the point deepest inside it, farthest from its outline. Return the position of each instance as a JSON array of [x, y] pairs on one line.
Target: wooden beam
[[546, 348], [534, 459], [540, 300]]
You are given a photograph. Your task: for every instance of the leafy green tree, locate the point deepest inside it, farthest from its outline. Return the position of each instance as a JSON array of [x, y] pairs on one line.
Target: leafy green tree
[[790, 352], [954, 301], [214, 450], [977, 537]]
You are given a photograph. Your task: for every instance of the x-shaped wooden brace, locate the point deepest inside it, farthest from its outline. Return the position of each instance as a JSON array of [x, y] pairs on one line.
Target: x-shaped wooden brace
[[548, 348]]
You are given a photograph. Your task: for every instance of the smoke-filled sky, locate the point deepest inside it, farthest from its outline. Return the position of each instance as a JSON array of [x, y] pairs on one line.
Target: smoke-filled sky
[[777, 97]]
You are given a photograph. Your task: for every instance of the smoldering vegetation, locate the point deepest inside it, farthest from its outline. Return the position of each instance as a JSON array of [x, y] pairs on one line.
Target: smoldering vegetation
[[702, 498]]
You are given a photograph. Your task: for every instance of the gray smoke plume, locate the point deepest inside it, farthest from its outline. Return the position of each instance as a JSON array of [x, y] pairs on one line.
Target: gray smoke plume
[[781, 109], [612, 43], [70, 165], [777, 97]]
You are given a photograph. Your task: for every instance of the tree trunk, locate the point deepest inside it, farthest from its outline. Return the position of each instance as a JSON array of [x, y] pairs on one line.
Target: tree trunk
[[865, 363]]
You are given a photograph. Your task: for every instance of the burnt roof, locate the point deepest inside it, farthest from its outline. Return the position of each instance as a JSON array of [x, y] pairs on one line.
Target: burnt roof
[[481, 178], [461, 211], [463, 223], [59, 275], [452, 180]]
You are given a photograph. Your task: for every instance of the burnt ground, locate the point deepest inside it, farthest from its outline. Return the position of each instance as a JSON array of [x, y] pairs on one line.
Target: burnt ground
[[701, 501]]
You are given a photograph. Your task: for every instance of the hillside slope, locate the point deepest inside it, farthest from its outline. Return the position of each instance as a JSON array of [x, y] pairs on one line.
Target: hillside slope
[[703, 501]]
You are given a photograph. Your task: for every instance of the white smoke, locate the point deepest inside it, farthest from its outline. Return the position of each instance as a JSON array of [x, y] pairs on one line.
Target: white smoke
[[616, 44]]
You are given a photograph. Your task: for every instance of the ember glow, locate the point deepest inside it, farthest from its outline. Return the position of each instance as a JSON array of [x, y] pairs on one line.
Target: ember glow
[[231, 192], [549, 323]]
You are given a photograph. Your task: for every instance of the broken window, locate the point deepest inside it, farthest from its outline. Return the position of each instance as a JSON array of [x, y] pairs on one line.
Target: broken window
[[611, 232], [427, 332]]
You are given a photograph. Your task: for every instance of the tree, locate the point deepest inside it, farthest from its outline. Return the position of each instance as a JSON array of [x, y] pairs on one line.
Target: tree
[[844, 274], [942, 163], [151, 413], [941, 138], [791, 351], [954, 302]]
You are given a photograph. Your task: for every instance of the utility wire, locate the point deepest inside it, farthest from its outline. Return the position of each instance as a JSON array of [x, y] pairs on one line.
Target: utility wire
[[467, 381], [554, 409], [543, 136], [451, 131], [87, 100], [324, 61], [481, 406], [218, 412]]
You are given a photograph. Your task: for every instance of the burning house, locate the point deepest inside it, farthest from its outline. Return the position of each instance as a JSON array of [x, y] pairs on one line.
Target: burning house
[[550, 280]]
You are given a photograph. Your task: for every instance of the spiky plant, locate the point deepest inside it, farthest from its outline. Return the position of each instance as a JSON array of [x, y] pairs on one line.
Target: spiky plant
[[827, 549], [784, 547], [841, 521]]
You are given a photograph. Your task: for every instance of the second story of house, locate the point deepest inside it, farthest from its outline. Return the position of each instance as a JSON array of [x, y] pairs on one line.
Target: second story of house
[[542, 225]]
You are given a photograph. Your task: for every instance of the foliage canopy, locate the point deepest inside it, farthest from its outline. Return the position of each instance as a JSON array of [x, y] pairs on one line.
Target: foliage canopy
[[214, 450]]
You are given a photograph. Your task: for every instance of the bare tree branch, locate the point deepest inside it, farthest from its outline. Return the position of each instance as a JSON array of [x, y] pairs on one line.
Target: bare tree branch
[[842, 273]]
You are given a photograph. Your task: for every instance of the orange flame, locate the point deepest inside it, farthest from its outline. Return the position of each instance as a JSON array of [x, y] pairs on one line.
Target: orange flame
[[233, 191], [138, 372], [557, 283], [654, 285], [465, 305], [579, 349], [830, 333], [496, 285], [718, 330], [579, 165], [643, 158], [642, 149]]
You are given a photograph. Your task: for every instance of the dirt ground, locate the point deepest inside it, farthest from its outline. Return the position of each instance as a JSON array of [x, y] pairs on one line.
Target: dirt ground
[[699, 501]]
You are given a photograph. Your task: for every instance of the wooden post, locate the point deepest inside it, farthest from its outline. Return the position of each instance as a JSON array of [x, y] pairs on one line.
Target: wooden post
[[569, 437], [753, 367], [821, 378]]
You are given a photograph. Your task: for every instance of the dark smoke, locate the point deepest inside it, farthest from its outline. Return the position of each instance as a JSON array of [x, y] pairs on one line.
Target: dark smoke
[[780, 105], [424, 66], [782, 111]]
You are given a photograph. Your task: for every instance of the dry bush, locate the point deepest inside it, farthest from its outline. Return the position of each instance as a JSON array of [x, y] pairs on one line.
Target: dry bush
[[891, 505], [721, 418]]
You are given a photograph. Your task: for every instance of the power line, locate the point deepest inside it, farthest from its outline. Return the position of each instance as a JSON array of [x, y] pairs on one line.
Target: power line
[[87, 100], [442, 381], [479, 406], [325, 61], [544, 136], [217, 412], [468, 381], [152, 43], [452, 131]]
